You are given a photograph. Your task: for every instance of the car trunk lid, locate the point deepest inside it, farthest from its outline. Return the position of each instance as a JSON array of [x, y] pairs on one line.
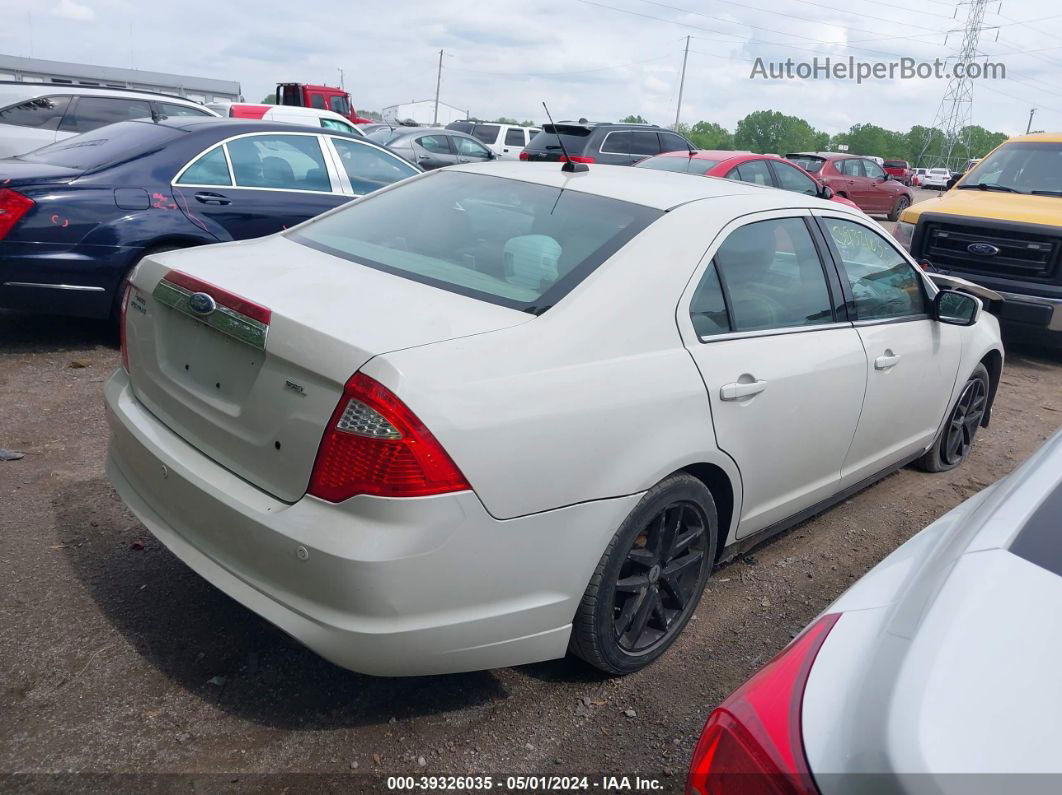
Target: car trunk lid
[[252, 375]]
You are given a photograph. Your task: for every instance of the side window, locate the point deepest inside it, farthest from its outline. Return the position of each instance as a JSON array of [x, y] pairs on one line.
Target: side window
[[617, 143], [773, 276], [43, 113], [872, 169], [487, 133], [466, 147], [789, 178], [883, 283], [173, 109], [755, 171], [368, 168], [336, 124], [644, 143], [91, 113], [317, 101], [284, 162], [209, 169], [435, 143], [708, 307], [514, 136], [339, 105], [669, 142], [852, 167]]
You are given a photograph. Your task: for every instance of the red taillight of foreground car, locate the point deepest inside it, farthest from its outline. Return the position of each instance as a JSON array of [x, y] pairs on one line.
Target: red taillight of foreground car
[[121, 326], [576, 159], [13, 205], [375, 445], [752, 743], [525, 156]]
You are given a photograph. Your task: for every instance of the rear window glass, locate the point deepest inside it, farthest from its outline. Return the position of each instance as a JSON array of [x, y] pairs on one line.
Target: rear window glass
[[105, 145], [810, 164], [684, 165], [574, 139], [487, 133], [508, 242], [895, 164]]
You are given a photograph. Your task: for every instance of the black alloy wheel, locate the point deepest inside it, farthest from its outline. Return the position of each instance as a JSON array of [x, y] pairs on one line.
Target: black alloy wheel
[[964, 422]]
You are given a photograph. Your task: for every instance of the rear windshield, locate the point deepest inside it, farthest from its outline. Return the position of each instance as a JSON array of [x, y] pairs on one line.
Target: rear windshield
[[810, 164], [683, 165], [487, 133], [895, 164], [574, 138], [508, 242], [104, 146], [460, 126]]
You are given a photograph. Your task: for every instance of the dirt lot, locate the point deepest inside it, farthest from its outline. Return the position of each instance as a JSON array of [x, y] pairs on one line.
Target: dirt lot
[[117, 659]]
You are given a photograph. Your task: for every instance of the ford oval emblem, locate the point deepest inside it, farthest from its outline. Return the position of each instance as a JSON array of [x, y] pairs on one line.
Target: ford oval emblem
[[202, 303], [983, 249]]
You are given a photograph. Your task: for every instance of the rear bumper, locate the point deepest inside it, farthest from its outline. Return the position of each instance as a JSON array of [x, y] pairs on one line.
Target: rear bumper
[[393, 587], [60, 279]]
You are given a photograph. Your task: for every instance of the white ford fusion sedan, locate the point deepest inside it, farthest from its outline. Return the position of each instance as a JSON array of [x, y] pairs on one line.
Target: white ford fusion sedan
[[937, 672], [497, 412]]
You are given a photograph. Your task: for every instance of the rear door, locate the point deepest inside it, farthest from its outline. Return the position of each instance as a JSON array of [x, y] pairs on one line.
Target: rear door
[[615, 148], [912, 361], [258, 184], [644, 143], [469, 150], [434, 151], [514, 143], [785, 372]]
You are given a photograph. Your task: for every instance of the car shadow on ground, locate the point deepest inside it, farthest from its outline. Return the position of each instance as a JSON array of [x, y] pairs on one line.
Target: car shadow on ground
[[22, 332], [220, 651]]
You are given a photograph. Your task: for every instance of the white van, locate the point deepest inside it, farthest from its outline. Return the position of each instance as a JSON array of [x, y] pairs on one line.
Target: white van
[[505, 140], [291, 114]]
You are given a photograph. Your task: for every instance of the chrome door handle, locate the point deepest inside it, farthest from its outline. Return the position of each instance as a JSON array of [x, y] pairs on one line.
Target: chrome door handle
[[886, 361], [738, 390]]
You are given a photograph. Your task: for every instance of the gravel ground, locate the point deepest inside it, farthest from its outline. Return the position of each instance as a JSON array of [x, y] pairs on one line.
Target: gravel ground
[[117, 659]]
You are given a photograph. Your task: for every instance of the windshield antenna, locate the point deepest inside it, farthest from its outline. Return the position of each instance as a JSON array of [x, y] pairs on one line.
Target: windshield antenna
[[568, 166]]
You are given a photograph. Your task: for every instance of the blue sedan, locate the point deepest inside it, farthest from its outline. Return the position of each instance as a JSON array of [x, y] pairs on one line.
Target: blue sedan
[[77, 215]]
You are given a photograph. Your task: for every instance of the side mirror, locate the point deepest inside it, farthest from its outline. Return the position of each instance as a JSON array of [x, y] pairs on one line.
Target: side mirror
[[825, 192], [955, 308]]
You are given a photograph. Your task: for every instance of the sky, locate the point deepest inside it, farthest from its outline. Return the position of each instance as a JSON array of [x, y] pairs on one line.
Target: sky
[[601, 59]]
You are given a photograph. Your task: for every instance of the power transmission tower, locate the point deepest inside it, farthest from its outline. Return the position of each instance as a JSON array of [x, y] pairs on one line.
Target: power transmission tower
[[947, 143]]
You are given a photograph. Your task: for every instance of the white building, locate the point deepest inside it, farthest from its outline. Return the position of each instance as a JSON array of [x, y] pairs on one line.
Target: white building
[[423, 112]]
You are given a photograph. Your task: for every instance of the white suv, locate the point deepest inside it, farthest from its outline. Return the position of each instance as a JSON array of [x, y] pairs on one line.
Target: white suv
[[33, 115], [505, 140]]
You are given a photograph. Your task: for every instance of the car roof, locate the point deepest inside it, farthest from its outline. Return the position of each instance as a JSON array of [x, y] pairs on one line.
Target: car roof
[[1043, 138], [11, 91], [662, 190], [712, 154]]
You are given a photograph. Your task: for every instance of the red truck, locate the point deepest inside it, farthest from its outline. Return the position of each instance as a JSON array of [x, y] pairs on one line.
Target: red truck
[[322, 97], [900, 169]]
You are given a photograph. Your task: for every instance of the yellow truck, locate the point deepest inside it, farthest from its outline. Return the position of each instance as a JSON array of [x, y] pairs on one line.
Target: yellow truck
[[1000, 226]]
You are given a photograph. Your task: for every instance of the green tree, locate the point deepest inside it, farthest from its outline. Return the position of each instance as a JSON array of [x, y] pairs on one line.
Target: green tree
[[270, 99], [633, 120], [505, 120], [768, 131], [982, 141], [707, 135]]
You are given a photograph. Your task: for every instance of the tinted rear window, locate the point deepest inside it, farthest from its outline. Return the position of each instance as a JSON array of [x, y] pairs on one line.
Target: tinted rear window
[[684, 165], [508, 242], [810, 164], [105, 145], [895, 164], [487, 133], [574, 139]]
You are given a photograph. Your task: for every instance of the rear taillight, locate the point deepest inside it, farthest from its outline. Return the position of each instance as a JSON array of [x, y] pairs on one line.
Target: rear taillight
[[375, 445], [752, 742], [576, 159], [13, 205], [121, 325], [525, 156]]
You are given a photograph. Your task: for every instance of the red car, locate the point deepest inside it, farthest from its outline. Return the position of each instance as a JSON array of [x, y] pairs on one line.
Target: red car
[[900, 169], [859, 179], [770, 170]]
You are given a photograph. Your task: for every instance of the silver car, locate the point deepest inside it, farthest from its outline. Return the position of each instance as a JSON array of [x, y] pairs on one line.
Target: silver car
[[435, 147], [937, 672]]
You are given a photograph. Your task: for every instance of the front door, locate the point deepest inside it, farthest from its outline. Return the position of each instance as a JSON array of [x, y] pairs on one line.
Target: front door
[[270, 182], [785, 374], [912, 361]]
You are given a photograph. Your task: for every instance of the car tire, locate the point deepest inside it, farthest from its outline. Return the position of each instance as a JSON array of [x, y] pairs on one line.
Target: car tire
[[116, 301], [953, 443], [674, 527], [902, 204]]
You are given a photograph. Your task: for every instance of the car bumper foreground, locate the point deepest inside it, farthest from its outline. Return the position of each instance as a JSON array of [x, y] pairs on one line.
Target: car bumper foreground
[[392, 587]]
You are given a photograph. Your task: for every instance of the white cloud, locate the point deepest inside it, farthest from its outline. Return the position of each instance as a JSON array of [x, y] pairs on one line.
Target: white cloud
[[71, 9]]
